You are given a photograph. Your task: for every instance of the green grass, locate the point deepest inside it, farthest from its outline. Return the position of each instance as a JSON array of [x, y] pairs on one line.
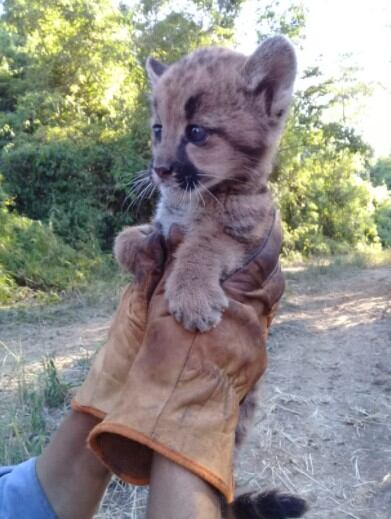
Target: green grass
[[34, 396], [366, 257], [25, 426], [54, 391]]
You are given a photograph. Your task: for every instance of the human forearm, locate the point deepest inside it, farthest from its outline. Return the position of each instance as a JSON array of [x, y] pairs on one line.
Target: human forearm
[[72, 477], [178, 494]]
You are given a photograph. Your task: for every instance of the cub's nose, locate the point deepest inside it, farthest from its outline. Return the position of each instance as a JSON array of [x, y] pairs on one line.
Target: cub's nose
[[163, 172]]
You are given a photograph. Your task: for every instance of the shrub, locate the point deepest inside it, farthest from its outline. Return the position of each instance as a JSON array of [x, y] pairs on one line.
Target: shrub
[[80, 190], [383, 220], [32, 256]]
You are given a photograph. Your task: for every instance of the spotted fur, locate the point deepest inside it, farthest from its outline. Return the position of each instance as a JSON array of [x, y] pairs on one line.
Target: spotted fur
[[216, 188], [217, 117]]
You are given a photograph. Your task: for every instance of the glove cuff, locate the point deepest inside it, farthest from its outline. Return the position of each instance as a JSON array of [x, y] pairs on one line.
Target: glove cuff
[[128, 453]]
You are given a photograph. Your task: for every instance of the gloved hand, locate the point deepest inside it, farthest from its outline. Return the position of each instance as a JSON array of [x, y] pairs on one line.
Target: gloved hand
[[141, 250], [181, 394]]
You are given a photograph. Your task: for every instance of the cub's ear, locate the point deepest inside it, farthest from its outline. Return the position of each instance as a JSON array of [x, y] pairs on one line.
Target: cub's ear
[[270, 72], [155, 69]]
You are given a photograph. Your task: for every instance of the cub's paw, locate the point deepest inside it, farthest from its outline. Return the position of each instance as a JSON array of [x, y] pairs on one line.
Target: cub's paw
[[196, 308], [127, 245]]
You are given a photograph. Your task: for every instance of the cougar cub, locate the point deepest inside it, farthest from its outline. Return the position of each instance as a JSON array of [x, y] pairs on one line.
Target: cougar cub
[[217, 119]]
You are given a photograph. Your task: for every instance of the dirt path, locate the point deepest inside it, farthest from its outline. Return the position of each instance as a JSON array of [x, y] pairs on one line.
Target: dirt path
[[323, 428], [324, 423]]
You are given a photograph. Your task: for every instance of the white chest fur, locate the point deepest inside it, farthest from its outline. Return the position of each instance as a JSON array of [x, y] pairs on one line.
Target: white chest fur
[[173, 211]]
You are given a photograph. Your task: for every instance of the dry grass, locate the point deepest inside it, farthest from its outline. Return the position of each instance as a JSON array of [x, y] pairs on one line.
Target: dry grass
[[287, 455], [123, 501], [323, 428], [366, 257]]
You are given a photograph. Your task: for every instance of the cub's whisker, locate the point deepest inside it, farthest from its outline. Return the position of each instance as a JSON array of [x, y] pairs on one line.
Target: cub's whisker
[[146, 193], [207, 191], [140, 181], [182, 198], [137, 176], [199, 195], [142, 173], [134, 194]]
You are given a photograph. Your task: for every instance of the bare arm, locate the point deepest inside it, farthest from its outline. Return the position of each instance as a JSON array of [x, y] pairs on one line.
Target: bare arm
[[73, 479], [178, 494]]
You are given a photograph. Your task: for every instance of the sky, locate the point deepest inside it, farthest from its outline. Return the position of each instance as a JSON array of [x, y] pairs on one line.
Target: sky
[[360, 29]]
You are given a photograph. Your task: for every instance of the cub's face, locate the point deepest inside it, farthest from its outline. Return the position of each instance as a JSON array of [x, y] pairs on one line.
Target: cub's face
[[217, 116]]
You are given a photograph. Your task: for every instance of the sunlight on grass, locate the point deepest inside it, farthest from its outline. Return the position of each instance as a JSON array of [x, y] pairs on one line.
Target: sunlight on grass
[[363, 257], [24, 411]]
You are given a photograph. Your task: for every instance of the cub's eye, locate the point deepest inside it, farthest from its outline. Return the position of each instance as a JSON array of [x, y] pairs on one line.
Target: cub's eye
[[196, 134], [157, 131]]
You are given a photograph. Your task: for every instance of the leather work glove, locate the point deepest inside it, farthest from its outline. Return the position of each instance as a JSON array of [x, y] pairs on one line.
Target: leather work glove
[[102, 389], [182, 392]]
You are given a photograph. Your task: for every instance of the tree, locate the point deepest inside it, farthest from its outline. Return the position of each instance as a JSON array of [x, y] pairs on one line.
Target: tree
[[319, 177], [71, 94], [74, 118], [381, 172], [279, 18]]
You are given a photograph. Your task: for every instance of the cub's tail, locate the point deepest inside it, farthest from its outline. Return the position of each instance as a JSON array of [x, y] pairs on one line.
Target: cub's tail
[[267, 505]]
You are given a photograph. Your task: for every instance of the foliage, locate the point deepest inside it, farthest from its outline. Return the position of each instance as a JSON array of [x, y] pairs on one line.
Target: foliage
[[382, 201], [64, 138], [280, 18], [383, 222], [381, 172], [326, 205], [74, 130], [74, 188], [26, 430], [74, 125], [54, 391], [34, 257]]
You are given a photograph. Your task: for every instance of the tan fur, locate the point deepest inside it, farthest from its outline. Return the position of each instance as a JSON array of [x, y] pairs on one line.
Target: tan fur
[[224, 214], [126, 245], [243, 103]]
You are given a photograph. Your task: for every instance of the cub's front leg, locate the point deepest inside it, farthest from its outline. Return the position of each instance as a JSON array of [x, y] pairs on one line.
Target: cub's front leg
[[193, 289], [195, 298]]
